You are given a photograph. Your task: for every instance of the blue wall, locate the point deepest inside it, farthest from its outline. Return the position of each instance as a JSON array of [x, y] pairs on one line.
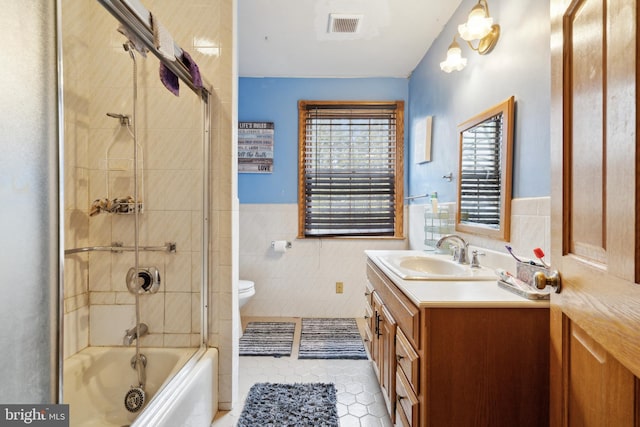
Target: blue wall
[[519, 65], [276, 100]]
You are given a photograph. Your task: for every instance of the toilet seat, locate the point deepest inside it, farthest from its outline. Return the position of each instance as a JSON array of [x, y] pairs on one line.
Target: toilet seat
[[246, 290], [245, 286]]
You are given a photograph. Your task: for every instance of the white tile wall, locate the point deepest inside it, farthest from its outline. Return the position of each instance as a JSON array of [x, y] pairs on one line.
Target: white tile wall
[[301, 281], [109, 322], [76, 330]]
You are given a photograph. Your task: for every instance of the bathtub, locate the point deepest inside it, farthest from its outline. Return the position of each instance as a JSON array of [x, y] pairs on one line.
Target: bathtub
[[178, 387]]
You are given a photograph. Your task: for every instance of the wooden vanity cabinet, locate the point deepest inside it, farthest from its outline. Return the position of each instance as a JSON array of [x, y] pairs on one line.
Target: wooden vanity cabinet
[[458, 366]]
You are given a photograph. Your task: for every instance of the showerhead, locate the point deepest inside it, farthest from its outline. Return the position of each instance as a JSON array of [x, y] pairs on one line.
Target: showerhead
[[125, 120], [129, 47]]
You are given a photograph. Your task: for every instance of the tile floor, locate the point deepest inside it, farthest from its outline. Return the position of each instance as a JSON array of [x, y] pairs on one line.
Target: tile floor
[[360, 401]]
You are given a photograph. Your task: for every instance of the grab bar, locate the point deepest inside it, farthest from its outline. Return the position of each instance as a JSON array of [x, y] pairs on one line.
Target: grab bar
[[117, 247], [417, 197]]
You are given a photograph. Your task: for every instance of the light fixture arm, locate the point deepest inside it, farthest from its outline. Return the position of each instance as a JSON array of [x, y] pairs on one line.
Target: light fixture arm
[[484, 4], [488, 42]]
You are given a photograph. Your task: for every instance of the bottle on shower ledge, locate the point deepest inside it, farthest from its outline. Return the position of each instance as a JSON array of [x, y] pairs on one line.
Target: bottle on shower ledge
[[434, 203]]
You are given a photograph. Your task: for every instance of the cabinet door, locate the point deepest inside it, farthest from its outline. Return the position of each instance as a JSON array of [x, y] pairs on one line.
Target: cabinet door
[[388, 358], [377, 334]]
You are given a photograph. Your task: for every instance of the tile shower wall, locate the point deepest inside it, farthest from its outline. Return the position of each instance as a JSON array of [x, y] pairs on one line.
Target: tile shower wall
[[98, 79], [301, 282], [76, 176], [169, 130]]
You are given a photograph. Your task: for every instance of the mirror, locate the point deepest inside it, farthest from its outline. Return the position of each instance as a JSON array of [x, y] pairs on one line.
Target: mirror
[[484, 177]]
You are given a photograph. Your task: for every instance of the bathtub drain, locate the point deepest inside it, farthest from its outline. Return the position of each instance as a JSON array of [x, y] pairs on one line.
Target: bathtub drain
[[134, 399]]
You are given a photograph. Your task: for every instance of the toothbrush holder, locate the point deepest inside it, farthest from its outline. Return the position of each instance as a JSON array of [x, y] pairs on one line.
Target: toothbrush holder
[[525, 271]]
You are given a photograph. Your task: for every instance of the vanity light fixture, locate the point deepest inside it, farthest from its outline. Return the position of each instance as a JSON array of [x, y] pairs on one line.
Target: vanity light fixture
[[480, 26], [454, 60]]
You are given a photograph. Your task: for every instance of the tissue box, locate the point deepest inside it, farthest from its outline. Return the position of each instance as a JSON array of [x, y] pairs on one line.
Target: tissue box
[[525, 272]]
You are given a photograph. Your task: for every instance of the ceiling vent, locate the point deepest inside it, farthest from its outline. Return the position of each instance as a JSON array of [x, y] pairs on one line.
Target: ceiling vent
[[342, 23]]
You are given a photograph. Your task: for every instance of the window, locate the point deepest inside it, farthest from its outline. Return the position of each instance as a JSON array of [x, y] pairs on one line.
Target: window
[[350, 173]]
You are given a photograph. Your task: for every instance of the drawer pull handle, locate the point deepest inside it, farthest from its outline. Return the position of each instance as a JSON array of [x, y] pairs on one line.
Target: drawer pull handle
[[399, 357], [367, 316], [366, 294]]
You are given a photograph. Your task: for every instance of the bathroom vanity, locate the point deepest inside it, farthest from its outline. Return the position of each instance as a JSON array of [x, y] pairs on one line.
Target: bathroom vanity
[[456, 352]]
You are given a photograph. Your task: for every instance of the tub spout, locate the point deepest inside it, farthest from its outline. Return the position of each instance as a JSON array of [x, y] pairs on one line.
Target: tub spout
[[131, 334]]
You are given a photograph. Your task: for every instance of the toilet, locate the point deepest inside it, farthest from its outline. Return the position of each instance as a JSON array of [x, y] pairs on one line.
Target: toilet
[[246, 289]]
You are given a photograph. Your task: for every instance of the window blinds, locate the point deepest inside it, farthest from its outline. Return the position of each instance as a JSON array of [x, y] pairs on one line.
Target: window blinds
[[349, 160], [480, 173]]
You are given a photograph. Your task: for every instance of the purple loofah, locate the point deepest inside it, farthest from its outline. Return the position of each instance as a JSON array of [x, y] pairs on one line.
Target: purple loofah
[[193, 69], [169, 80]]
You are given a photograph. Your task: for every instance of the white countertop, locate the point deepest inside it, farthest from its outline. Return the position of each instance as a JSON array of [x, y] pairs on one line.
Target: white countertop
[[453, 293]]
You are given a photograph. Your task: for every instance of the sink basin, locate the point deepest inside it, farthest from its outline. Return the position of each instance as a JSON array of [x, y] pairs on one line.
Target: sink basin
[[433, 267]]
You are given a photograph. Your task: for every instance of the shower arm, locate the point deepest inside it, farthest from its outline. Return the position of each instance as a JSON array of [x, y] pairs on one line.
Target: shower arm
[[117, 247]]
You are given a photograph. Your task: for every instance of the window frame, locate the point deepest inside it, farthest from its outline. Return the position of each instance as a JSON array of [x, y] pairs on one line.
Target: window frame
[[303, 106]]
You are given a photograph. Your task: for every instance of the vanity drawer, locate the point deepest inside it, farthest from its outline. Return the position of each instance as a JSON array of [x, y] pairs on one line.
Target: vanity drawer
[[407, 315], [368, 293], [406, 402], [368, 339], [368, 316], [408, 360], [368, 327], [401, 418], [368, 309]]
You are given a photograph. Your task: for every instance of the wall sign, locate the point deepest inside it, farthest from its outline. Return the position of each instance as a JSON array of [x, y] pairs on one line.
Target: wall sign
[[255, 147]]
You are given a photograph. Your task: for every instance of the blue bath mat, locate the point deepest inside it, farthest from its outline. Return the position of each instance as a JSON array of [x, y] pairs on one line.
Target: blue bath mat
[[289, 405], [331, 339], [267, 339]]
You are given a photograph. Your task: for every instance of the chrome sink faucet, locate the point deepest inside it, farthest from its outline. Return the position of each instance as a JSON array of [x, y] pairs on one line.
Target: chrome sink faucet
[[132, 334], [463, 247]]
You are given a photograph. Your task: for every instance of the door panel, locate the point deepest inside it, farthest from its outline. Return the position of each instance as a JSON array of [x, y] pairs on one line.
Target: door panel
[[587, 231], [593, 373], [595, 320]]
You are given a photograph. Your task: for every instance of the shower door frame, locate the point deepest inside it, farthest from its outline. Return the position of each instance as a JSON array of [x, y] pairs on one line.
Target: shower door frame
[[204, 93]]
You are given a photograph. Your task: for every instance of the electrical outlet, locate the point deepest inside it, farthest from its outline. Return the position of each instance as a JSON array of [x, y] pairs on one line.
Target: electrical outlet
[[339, 287]]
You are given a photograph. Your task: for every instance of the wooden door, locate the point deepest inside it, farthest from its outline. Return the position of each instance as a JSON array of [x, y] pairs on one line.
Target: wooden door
[[595, 216]]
